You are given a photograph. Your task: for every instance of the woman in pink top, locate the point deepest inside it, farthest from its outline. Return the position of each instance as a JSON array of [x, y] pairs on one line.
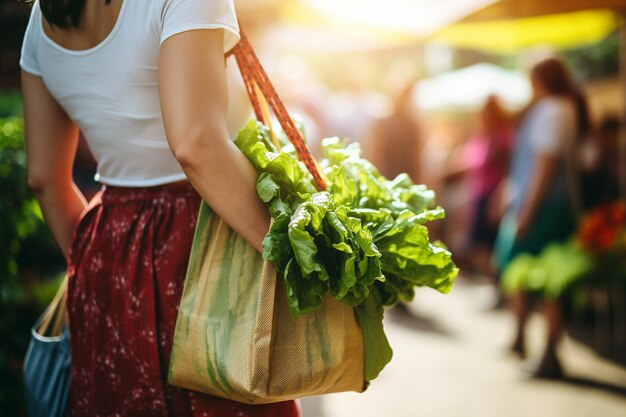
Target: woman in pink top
[[486, 158], [145, 82]]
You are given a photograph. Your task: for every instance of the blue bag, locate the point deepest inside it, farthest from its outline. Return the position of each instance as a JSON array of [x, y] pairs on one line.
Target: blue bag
[[47, 366]]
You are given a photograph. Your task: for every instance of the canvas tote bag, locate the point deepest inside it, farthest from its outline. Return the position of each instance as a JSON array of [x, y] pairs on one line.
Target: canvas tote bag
[[235, 337]]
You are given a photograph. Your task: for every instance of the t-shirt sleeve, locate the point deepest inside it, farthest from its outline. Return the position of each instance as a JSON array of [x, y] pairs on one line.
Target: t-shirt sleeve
[[182, 15], [551, 127], [29, 61]]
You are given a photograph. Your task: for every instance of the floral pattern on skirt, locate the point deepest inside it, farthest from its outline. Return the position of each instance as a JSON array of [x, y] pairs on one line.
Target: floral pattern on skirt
[[127, 268]]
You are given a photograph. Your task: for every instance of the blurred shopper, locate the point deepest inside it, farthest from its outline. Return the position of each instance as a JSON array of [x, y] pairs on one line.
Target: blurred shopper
[[600, 165], [394, 144], [484, 163], [540, 208]]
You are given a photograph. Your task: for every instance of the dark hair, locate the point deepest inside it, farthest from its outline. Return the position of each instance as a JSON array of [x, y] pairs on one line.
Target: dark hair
[[556, 79], [493, 115], [63, 13]]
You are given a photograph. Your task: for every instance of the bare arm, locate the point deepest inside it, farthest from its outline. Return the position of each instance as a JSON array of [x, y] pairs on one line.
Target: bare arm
[[499, 201], [51, 140], [194, 99], [540, 179]]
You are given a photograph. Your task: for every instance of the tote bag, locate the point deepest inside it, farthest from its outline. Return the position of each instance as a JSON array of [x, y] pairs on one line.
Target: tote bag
[[48, 361]]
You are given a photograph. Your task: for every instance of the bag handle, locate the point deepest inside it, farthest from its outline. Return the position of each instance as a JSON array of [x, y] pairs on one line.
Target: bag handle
[[55, 313], [255, 76]]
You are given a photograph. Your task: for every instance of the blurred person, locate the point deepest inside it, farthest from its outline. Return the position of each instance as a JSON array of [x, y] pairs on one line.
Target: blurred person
[[444, 137], [394, 143], [146, 82], [599, 164], [540, 209], [484, 164]]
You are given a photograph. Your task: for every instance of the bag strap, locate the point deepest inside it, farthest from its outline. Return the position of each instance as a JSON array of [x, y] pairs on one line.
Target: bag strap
[[54, 319], [255, 76]]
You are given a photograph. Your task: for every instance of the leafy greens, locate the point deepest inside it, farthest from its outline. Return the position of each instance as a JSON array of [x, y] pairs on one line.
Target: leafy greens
[[363, 240]]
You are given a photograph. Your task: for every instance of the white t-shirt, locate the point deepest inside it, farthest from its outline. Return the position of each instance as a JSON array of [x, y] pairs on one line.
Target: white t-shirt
[[549, 128], [552, 125], [110, 90]]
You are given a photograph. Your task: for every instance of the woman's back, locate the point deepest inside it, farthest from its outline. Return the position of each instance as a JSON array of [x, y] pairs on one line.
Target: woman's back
[[110, 89]]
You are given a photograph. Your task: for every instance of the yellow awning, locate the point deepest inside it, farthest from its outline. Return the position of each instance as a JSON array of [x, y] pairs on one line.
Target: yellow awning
[[566, 30], [515, 9]]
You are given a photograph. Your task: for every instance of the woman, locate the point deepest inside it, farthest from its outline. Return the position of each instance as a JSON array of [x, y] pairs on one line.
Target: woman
[[485, 163], [542, 189], [145, 82]]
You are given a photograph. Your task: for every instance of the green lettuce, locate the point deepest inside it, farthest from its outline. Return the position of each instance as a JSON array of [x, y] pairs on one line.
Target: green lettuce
[[363, 240]]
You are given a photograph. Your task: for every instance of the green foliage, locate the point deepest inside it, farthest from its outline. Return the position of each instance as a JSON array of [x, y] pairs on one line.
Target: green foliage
[[19, 213], [556, 270], [10, 104], [599, 60], [24, 242], [25, 239]]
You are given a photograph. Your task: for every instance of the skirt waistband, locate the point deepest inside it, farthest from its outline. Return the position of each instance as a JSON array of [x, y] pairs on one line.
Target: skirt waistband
[[115, 195]]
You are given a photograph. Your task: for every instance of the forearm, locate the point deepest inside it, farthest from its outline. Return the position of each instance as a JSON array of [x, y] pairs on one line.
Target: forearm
[[499, 201], [62, 205], [227, 182], [51, 140]]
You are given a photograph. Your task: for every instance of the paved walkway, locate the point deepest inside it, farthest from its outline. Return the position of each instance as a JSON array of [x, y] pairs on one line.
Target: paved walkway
[[450, 361]]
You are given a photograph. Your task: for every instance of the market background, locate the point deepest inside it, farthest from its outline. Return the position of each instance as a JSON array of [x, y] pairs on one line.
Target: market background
[[341, 65]]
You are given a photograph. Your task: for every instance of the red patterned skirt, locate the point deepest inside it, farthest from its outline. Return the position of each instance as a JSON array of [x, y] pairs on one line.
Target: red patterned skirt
[[127, 267]]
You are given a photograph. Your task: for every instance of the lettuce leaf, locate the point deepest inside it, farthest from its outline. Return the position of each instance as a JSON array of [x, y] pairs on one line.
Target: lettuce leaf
[[378, 353]]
